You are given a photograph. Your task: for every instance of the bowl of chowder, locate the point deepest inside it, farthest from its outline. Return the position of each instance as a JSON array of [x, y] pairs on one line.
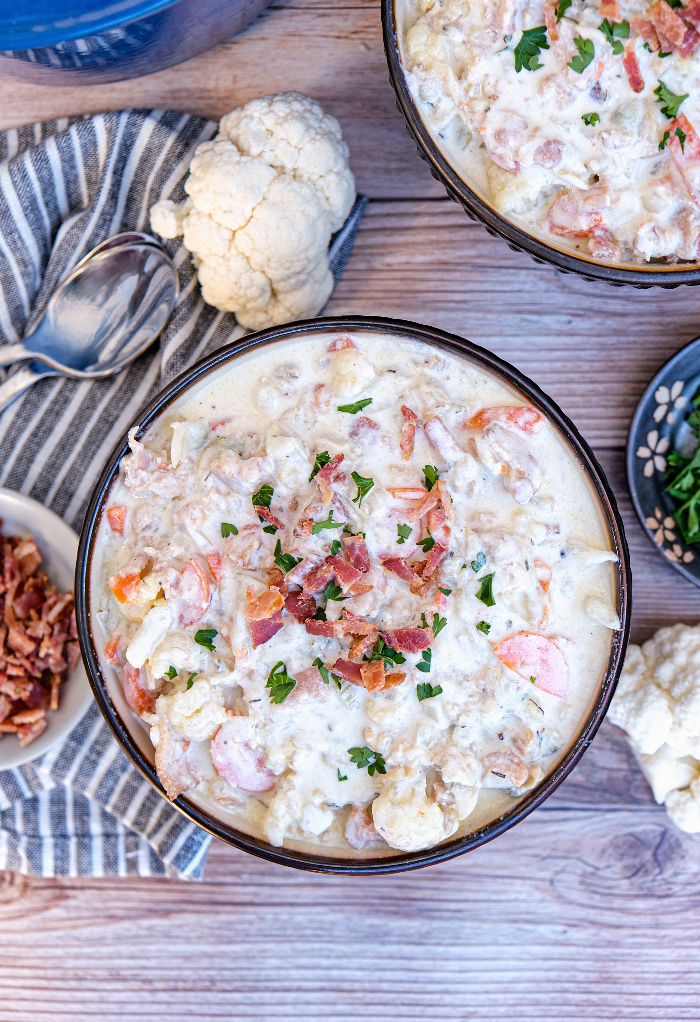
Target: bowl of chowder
[[571, 129], [353, 594]]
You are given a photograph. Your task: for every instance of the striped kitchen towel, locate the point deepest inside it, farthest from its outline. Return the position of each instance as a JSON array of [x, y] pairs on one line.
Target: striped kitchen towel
[[65, 186]]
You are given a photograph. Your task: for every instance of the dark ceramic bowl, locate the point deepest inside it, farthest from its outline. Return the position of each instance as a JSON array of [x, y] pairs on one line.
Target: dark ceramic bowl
[[134, 739], [651, 275]]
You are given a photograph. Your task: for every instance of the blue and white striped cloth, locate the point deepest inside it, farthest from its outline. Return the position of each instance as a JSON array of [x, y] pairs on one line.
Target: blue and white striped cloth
[[65, 186]]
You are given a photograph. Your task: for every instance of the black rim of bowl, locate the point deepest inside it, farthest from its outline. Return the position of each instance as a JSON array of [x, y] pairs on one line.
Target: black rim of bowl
[[400, 861], [657, 275]]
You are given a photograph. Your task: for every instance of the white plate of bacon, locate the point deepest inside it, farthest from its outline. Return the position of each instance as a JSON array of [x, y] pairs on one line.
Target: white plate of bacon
[[44, 690]]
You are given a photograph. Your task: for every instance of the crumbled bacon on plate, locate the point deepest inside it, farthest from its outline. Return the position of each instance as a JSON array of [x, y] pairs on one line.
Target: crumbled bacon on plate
[[38, 640]]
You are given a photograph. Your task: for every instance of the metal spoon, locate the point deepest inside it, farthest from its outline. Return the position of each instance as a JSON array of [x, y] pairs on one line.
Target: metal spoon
[[116, 241], [104, 314]]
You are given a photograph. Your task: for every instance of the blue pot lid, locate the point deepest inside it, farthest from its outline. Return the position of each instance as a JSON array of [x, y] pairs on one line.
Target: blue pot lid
[[48, 22]]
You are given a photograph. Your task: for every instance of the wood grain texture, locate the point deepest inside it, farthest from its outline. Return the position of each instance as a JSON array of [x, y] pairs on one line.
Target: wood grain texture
[[589, 909]]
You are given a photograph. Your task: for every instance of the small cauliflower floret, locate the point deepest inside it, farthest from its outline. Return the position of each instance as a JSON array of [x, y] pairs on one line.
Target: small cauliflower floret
[[264, 198], [406, 819], [196, 713], [515, 193], [291, 808], [351, 373], [290, 461], [665, 772], [683, 808], [640, 707], [150, 634]]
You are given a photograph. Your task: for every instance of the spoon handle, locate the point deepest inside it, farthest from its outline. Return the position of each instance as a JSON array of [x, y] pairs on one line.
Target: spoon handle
[[17, 385], [13, 353]]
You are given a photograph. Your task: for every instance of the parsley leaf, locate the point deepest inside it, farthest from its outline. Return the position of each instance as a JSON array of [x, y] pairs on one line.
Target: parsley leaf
[[484, 627], [353, 409], [431, 476], [533, 679], [426, 544], [423, 622], [336, 547], [190, 680], [322, 669], [479, 563], [404, 532], [365, 757], [390, 656], [320, 614], [485, 593], [591, 119], [445, 592], [674, 3], [681, 136], [334, 592], [563, 7], [321, 459], [279, 683], [670, 100], [263, 497], [438, 624], [363, 487], [285, 561], [426, 691], [337, 679], [425, 661], [528, 49], [228, 530], [171, 673], [664, 140], [205, 637], [342, 778], [613, 33], [586, 53], [328, 524]]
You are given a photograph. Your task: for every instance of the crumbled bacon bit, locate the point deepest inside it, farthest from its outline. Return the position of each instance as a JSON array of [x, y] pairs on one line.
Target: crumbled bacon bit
[[373, 675], [408, 492], [136, 692], [340, 343], [430, 501], [610, 9], [214, 563], [435, 558], [409, 640], [360, 588], [263, 630], [267, 605], [363, 429], [356, 625], [300, 607], [363, 643], [357, 552], [318, 580], [264, 512], [395, 678], [345, 575], [647, 31], [330, 471], [670, 27], [550, 20], [346, 670], [631, 66], [398, 566], [329, 629], [37, 640], [275, 577], [408, 432], [115, 518], [692, 13]]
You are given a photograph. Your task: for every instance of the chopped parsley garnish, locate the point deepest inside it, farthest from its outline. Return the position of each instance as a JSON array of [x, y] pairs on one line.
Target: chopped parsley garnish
[[562, 8], [683, 482], [426, 544], [340, 778], [228, 530], [353, 409], [279, 683], [363, 487], [322, 669], [334, 592], [263, 498], [533, 679], [423, 622], [591, 119], [586, 53], [285, 561], [171, 673], [321, 459], [670, 100], [613, 33], [366, 757], [404, 532], [431, 476], [190, 680], [664, 140], [328, 524], [336, 547], [674, 3], [445, 592], [660, 53], [484, 627], [380, 651], [438, 624], [425, 690], [485, 593], [425, 661], [320, 614], [527, 51], [681, 137], [337, 679], [647, 47], [205, 637], [479, 563]]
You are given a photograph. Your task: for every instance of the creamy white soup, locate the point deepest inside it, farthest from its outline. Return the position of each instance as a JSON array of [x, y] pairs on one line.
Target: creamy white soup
[[576, 119], [361, 593]]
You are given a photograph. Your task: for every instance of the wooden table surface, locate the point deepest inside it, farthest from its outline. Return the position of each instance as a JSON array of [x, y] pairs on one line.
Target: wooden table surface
[[589, 909]]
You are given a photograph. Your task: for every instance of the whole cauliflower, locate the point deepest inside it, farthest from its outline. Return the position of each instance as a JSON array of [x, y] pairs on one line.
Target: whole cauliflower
[[657, 703], [264, 198]]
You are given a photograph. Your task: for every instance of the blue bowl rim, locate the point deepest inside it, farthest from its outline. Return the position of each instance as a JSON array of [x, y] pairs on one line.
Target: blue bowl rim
[[51, 34], [400, 861]]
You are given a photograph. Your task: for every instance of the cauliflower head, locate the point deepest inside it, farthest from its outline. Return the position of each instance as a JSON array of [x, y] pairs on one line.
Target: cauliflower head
[[658, 704], [264, 198]]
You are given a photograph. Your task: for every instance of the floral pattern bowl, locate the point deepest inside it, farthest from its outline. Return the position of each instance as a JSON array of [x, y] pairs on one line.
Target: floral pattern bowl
[[659, 426]]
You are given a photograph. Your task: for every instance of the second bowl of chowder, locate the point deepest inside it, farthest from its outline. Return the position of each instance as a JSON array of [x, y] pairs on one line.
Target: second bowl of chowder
[[353, 594], [570, 129]]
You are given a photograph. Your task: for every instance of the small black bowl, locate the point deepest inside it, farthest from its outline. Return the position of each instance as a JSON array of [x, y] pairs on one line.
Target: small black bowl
[[654, 275], [127, 729]]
